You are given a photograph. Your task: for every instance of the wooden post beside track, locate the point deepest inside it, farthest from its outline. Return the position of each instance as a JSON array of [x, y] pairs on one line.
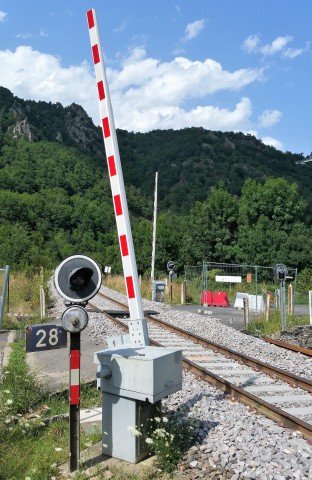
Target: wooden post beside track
[[246, 312]]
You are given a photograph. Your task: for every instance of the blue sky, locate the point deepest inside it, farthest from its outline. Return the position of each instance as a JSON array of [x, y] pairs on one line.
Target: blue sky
[[229, 65]]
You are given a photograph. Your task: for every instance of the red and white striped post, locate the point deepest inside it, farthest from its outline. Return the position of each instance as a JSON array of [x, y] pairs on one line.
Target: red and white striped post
[[137, 324], [74, 401]]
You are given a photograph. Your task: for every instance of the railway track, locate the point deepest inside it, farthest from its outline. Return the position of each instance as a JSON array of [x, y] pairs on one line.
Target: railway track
[[288, 346], [279, 395]]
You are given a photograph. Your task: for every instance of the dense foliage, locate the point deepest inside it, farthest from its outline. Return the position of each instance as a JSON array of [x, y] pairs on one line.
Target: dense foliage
[[221, 195]]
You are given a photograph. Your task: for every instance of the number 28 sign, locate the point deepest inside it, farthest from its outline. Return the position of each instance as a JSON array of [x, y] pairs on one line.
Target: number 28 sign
[[45, 337]]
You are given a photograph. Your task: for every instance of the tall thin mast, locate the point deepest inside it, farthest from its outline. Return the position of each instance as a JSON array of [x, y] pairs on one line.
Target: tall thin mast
[[154, 229]]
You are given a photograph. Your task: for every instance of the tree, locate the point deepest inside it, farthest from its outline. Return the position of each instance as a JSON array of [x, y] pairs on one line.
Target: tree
[[212, 229], [272, 223]]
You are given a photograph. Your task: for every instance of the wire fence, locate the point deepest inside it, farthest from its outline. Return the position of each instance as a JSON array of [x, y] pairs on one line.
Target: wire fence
[[231, 283]]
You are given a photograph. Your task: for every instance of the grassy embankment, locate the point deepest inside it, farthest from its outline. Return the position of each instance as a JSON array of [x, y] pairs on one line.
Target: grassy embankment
[[34, 429]]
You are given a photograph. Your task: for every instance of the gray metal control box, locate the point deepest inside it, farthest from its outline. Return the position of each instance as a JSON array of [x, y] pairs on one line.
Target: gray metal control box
[[158, 291], [141, 373], [120, 417]]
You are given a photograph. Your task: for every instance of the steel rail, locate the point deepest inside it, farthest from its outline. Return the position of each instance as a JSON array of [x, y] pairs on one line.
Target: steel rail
[[258, 365], [288, 346], [234, 392]]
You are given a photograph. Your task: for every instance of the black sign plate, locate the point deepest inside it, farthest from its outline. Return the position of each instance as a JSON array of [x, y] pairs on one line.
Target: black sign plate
[[45, 337]]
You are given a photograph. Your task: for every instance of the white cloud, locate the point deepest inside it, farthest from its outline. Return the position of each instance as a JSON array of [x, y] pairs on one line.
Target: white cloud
[[251, 43], [296, 52], [165, 117], [272, 142], [269, 118], [276, 46], [148, 81], [24, 35], [30, 74], [193, 29], [146, 93], [3, 16]]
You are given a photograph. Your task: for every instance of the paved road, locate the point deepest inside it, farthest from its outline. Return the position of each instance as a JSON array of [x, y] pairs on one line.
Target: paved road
[[232, 317], [52, 366], [227, 315]]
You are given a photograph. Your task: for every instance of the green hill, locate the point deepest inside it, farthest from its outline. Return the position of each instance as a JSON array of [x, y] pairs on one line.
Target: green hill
[[55, 197]]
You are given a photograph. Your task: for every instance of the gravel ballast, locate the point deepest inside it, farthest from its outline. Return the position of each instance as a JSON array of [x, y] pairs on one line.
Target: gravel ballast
[[232, 443]]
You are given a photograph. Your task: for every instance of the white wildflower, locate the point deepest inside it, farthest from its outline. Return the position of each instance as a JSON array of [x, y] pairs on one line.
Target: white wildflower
[[105, 445], [165, 419], [157, 419], [58, 449], [9, 402], [134, 431], [6, 391], [149, 440]]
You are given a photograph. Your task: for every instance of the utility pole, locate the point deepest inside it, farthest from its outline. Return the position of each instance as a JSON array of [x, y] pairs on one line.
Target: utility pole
[[154, 236]]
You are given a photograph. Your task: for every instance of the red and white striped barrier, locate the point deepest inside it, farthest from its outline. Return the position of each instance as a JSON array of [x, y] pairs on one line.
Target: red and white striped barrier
[[137, 325]]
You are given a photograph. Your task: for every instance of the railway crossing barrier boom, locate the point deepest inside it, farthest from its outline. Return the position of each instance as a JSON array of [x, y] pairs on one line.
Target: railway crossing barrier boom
[[133, 377]]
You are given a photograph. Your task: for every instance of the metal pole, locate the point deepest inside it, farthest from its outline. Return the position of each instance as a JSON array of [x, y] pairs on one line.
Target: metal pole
[[310, 306], [74, 402], [8, 286], [290, 300], [170, 287], [283, 305], [154, 230], [4, 290], [256, 275]]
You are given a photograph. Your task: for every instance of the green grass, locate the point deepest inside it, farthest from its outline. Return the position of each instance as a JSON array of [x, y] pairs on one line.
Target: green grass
[[24, 301], [260, 326], [30, 446]]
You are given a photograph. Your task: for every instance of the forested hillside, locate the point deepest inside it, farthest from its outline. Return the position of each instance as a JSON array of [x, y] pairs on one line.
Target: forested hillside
[[222, 196]]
